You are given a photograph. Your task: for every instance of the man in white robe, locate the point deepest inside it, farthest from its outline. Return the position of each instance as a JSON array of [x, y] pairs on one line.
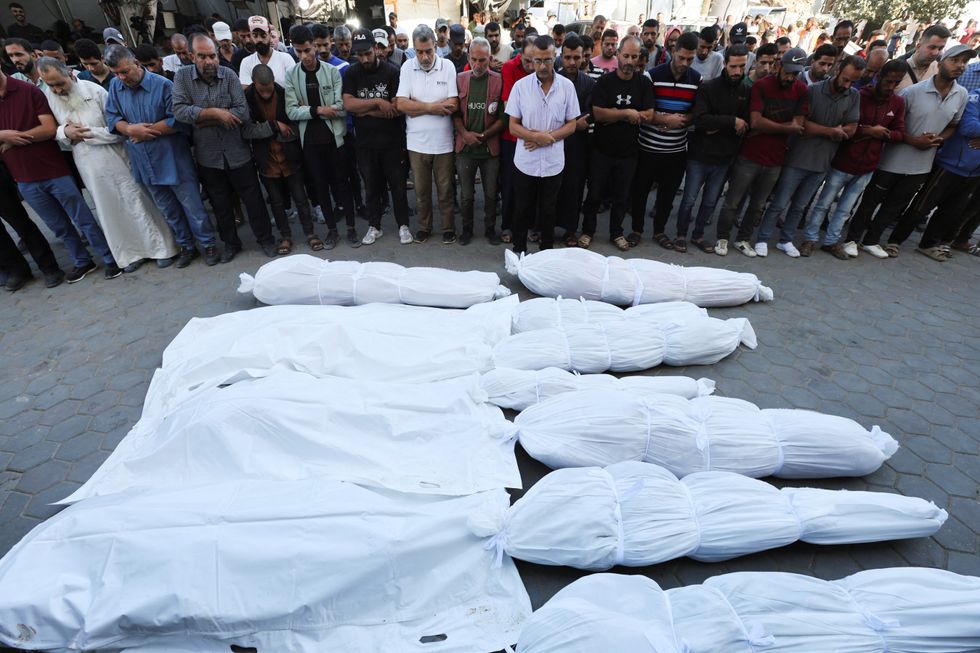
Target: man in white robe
[[133, 226]]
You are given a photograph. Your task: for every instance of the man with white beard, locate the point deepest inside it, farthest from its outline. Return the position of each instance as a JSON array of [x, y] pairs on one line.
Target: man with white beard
[[133, 227]]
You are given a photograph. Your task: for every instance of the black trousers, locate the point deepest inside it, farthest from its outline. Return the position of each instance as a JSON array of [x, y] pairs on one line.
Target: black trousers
[[507, 170], [893, 192], [667, 171], [280, 189], [383, 169], [222, 186], [970, 222], [328, 166], [573, 179], [350, 149], [946, 192], [539, 197], [609, 176], [13, 213]]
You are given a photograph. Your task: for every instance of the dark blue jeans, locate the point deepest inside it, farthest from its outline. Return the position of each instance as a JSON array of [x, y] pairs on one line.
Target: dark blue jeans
[[61, 205], [712, 177]]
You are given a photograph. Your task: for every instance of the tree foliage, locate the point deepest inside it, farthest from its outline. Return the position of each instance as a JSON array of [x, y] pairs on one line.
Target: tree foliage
[[878, 11]]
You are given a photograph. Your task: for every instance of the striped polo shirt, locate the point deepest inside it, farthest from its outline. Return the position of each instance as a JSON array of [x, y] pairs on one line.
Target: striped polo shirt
[[670, 96]]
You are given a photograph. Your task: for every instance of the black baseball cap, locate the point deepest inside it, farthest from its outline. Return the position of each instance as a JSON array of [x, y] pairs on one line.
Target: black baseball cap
[[362, 40], [738, 33], [457, 33]]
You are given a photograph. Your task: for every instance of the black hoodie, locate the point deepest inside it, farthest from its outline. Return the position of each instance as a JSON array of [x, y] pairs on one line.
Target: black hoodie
[[716, 105]]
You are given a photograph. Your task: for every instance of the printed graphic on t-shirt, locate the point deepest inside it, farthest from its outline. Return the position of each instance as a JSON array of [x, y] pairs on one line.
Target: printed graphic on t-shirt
[[379, 90]]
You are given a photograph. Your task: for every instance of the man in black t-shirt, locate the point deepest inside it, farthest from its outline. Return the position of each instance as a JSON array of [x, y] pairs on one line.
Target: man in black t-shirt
[[369, 89], [621, 100]]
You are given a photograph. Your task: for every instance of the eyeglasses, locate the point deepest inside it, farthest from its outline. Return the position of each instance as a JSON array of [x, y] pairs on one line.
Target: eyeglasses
[[542, 62]]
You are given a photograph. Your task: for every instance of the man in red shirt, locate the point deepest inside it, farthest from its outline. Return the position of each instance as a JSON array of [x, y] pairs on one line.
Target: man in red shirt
[[27, 130], [517, 68], [777, 108]]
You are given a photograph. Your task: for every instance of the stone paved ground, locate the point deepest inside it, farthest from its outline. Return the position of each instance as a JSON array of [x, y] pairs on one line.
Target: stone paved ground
[[894, 343]]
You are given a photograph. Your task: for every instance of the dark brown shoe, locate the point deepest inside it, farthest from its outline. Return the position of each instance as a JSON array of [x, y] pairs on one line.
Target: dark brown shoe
[[806, 249], [836, 249]]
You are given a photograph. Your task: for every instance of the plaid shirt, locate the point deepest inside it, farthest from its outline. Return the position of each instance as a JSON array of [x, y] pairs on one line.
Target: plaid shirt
[[214, 146], [970, 79]]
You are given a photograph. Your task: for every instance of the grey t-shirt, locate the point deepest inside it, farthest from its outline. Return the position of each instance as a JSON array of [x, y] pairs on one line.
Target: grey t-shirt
[[711, 67], [815, 153], [925, 111]]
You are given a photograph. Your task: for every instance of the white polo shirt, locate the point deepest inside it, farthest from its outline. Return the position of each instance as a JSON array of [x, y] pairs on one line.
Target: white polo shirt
[[280, 62], [428, 134], [542, 112], [925, 111]]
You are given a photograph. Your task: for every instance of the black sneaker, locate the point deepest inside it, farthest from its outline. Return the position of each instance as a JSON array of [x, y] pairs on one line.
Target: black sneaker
[[352, 238], [228, 255], [448, 237], [492, 236], [15, 283], [185, 257], [330, 241], [54, 279], [164, 262], [421, 236], [270, 250], [112, 271], [211, 256], [77, 274], [465, 237]]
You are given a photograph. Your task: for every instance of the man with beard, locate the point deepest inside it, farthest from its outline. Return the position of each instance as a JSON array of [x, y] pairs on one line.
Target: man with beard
[[20, 28], [543, 110], [401, 40], [834, 110], [209, 97], [517, 37], [721, 120], [139, 107], [457, 55], [762, 64], [923, 60], [822, 65], [226, 44], [90, 56], [708, 63], [181, 55], [314, 100], [342, 41], [149, 58], [478, 125], [369, 90], [577, 145], [280, 62], [621, 102], [324, 48], [663, 142], [27, 128], [133, 227], [427, 94], [777, 108], [882, 121], [649, 34], [933, 109], [245, 44], [608, 60], [511, 72], [21, 55]]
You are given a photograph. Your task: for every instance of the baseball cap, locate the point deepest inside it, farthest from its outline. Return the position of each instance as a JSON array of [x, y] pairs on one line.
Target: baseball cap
[[112, 35], [457, 34], [957, 50], [258, 22], [738, 33], [241, 24], [793, 60], [380, 36], [440, 23], [362, 41], [222, 31]]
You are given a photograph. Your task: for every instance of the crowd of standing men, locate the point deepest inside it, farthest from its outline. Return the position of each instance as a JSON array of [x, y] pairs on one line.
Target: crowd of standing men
[[559, 126]]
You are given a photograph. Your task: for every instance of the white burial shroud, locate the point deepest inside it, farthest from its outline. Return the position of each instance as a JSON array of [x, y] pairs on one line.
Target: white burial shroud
[[518, 389], [306, 279], [311, 565], [601, 427], [548, 313], [383, 342], [574, 272], [638, 514], [439, 438], [898, 610]]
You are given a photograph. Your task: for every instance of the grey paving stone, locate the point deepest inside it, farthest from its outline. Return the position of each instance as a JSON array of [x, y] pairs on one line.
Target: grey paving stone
[[60, 412], [79, 446], [69, 428], [43, 476], [964, 563], [32, 456], [956, 536], [99, 402], [39, 507]]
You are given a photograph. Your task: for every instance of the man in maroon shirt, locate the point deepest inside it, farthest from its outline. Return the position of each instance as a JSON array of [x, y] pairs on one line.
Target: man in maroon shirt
[[27, 130], [515, 69]]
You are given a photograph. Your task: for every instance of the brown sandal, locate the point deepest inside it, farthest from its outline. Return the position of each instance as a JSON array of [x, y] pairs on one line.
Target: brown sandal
[[703, 246], [663, 241], [285, 247], [680, 245], [314, 242]]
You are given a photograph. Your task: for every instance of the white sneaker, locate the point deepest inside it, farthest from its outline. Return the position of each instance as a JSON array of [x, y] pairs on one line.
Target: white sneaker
[[851, 248], [318, 215], [745, 247], [721, 247], [789, 248], [875, 250], [762, 249], [404, 235], [371, 236]]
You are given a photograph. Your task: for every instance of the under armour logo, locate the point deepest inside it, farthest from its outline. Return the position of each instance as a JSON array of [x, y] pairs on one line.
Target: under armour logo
[[621, 100]]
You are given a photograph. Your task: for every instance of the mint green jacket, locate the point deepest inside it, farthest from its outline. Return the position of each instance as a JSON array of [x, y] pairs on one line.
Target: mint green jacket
[[298, 107]]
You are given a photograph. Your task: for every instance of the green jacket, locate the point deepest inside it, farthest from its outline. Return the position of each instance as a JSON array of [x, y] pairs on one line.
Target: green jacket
[[298, 107]]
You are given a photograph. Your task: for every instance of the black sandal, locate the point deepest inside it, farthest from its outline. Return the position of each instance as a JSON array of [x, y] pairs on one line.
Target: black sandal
[[663, 241], [314, 242], [680, 245]]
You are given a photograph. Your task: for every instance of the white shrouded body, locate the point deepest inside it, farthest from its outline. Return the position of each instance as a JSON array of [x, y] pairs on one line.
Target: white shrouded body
[[518, 389], [547, 313], [639, 514], [625, 345], [574, 272], [305, 279], [314, 565], [436, 438], [899, 610], [602, 427]]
